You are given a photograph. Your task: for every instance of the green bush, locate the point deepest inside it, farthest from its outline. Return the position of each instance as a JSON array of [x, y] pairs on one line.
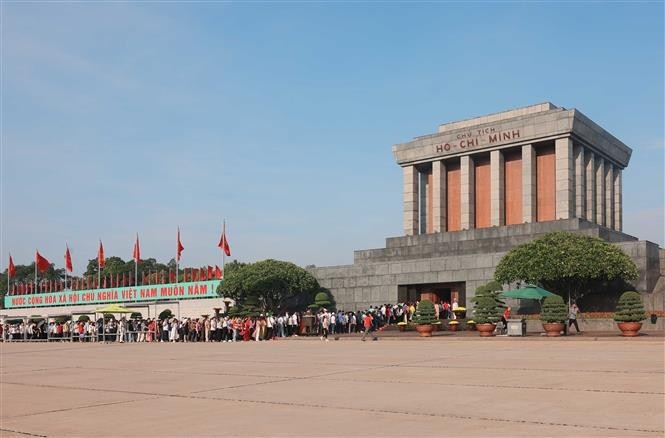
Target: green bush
[[84, 318], [322, 299], [425, 313], [494, 286], [136, 315], [553, 310], [165, 314], [630, 308], [487, 310]]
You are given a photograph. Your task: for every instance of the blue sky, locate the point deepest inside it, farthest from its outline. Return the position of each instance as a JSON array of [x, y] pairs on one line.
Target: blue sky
[[121, 117]]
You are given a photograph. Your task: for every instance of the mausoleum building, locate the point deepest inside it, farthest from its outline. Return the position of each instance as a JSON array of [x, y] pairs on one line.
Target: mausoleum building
[[477, 188]]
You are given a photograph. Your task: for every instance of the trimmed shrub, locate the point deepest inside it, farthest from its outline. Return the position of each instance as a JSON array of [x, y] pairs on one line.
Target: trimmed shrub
[[136, 315], [494, 286], [553, 310], [630, 308], [425, 313], [488, 310], [322, 299], [84, 318], [165, 314]]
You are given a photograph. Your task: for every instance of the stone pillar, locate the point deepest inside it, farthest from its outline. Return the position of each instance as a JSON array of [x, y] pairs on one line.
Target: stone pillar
[[529, 191], [497, 189], [609, 195], [618, 201], [410, 200], [590, 164], [439, 196], [580, 182], [467, 185], [600, 190], [422, 207], [565, 178]]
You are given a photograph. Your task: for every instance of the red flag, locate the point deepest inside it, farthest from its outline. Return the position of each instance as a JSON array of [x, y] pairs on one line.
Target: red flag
[[100, 256], [194, 273], [171, 276], [202, 274], [210, 273], [142, 277], [218, 272], [223, 243], [137, 250], [41, 262], [11, 269], [68, 260], [180, 247]]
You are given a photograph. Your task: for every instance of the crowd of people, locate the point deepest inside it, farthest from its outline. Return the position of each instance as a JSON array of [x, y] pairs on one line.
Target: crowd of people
[[218, 328]]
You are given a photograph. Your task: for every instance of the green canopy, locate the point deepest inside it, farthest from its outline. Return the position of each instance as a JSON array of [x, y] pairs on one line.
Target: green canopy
[[115, 308], [529, 292]]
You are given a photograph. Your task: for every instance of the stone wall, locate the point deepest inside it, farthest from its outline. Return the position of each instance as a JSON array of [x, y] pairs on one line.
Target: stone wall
[[468, 256]]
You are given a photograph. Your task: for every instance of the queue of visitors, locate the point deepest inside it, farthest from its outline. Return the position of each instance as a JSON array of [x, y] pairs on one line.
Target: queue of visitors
[[221, 328]]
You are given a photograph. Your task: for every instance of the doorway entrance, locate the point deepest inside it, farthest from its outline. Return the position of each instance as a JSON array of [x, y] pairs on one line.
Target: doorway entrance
[[435, 292]]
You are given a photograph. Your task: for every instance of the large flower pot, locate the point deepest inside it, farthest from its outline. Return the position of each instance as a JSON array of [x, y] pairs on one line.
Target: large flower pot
[[629, 328], [453, 327], [424, 330], [553, 329], [486, 330], [402, 328]]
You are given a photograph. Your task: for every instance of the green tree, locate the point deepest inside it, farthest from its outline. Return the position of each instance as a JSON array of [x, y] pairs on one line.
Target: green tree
[[566, 263], [268, 285]]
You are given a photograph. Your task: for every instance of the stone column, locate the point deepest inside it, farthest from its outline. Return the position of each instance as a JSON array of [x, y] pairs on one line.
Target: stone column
[[439, 196], [590, 164], [467, 185], [497, 189], [609, 195], [410, 200], [422, 207], [580, 182], [529, 190], [565, 178], [618, 201], [600, 190]]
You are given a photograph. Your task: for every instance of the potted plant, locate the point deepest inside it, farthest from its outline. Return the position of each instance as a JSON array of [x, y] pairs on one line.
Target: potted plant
[[629, 313], [401, 326], [452, 325], [488, 313], [460, 312], [471, 324], [424, 318], [553, 315]]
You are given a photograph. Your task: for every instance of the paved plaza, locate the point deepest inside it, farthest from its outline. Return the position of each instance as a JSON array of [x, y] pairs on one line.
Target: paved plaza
[[444, 386]]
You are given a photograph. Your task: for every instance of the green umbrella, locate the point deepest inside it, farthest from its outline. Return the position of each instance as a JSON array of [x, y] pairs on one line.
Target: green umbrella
[[529, 292]]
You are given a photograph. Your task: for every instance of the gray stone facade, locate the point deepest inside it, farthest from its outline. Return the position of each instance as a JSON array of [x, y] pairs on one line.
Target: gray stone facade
[[587, 199], [382, 275]]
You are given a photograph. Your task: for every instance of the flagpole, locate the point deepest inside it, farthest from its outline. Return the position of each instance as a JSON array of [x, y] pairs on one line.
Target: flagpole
[[136, 263], [10, 256], [36, 290], [223, 252], [177, 258], [99, 268], [66, 268]]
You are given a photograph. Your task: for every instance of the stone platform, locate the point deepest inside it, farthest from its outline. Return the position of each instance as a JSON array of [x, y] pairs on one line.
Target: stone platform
[[444, 386]]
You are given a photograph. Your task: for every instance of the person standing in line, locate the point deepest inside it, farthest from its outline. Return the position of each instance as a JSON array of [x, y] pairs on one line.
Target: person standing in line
[[367, 323], [572, 316], [325, 325], [207, 328]]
